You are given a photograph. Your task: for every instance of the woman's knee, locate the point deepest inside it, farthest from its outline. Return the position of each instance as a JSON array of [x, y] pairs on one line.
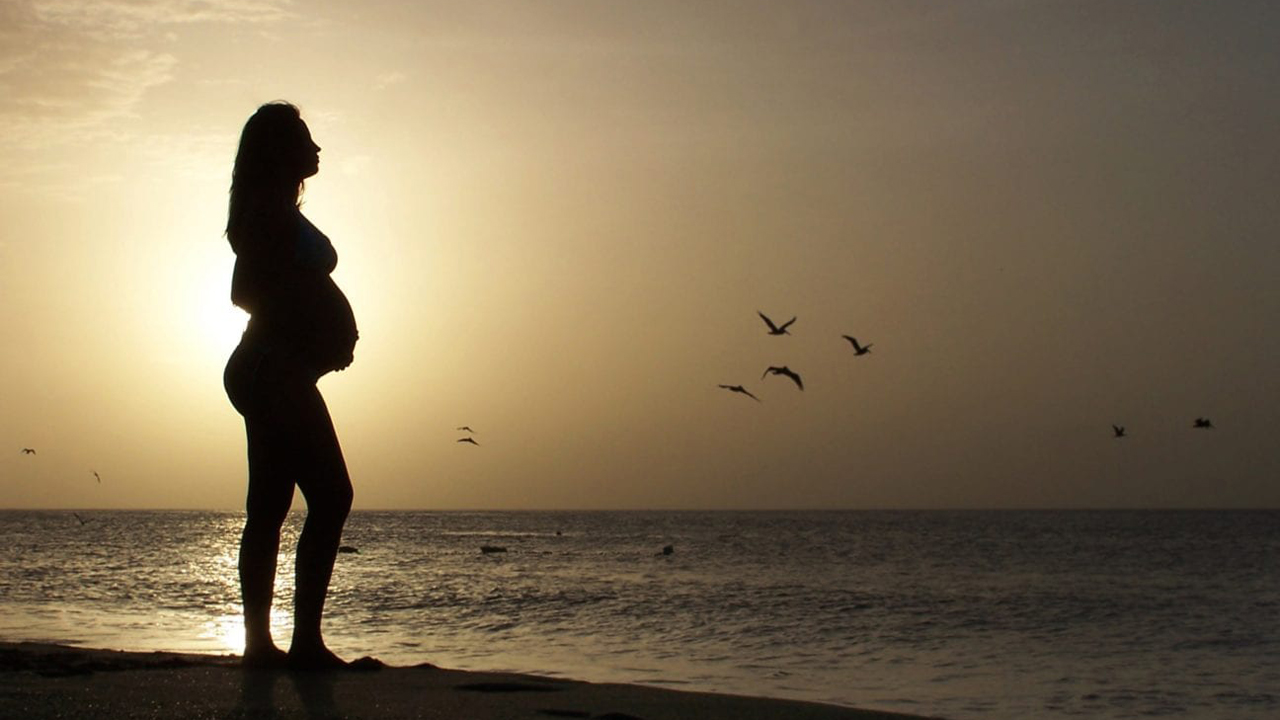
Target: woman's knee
[[330, 504], [263, 523], [342, 499]]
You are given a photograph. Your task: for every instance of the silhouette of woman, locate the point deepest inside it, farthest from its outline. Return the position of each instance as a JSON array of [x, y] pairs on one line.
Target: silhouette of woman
[[300, 327]]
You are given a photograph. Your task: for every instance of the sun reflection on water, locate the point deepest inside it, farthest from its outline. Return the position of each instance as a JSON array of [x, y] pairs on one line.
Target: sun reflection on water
[[225, 633]]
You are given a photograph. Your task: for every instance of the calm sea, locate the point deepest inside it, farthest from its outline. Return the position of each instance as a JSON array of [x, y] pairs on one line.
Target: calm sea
[[957, 614]]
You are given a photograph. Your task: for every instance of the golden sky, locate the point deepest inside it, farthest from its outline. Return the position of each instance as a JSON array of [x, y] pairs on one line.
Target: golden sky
[[556, 221]]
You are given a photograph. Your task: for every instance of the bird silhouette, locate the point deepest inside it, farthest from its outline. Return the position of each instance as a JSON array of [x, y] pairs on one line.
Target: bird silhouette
[[857, 349], [468, 440], [1202, 422], [1118, 430], [740, 389], [784, 370], [28, 451], [775, 329], [466, 428], [82, 520], [96, 475]]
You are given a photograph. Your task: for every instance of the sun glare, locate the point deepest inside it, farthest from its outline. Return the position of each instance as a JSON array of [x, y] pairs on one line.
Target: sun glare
[[217, 324]]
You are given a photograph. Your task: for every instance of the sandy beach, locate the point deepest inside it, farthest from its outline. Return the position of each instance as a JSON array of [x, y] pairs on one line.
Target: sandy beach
[[55, 681]]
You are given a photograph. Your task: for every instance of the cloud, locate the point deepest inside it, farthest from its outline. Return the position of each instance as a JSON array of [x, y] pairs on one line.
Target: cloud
[[80, 98], [123, 18], [354, 165], [74, 72], [386, 80], [194, 154]]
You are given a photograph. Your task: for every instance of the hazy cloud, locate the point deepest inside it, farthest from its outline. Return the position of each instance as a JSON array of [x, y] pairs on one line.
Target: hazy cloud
[[354, 165], [198, 153], [77, 98], [76, 71], [131, 17], [386, 80]]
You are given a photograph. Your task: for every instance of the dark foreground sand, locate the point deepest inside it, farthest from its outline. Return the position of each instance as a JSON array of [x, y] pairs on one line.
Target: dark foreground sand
[[53, 681]]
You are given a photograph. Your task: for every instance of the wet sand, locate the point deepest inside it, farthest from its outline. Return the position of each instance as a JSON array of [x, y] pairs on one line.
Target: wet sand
[[40, 681]]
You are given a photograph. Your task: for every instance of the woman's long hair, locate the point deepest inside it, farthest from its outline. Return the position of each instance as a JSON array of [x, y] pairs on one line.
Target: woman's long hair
[[265, 186]]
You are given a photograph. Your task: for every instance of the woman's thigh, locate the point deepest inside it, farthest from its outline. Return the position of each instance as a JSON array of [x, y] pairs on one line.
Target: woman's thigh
[[294, 442], [291, 440]]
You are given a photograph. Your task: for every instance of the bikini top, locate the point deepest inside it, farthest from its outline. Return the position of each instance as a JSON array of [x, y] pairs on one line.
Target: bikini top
[[313, 250]]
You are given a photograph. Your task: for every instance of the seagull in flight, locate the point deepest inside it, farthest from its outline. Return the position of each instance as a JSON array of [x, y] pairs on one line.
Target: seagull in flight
[[775, 329], [784, 370], [857, 349], [96, 475], [468, 440], [1118, 430], [82, 520], [466, 428], [28, 451], [1202, 422], [740, 389]]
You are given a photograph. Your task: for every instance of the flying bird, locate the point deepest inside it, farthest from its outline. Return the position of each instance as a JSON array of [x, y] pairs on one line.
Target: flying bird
[[1118, 430], [740, 389], [1203, 423], [857, 349], [468, 440], [28, 451], [96, 475], [784, 370], [82, 520], [775, 329], [466, 428]]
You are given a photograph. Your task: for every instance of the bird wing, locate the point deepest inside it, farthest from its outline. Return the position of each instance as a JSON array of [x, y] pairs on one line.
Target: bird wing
[[767, 321], [792, 374], [786, 324]]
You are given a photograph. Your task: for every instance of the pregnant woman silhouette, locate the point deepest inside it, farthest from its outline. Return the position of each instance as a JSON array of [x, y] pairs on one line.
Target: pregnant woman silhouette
[[300, 328]]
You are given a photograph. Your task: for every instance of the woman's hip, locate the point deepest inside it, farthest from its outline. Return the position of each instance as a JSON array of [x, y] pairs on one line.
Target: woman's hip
[[259, 381]]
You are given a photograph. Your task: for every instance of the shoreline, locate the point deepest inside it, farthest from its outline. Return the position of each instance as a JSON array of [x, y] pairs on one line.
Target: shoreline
[[42, 680]]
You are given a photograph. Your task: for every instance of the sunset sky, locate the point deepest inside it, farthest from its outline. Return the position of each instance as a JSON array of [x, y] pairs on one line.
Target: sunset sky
[[556, 221]]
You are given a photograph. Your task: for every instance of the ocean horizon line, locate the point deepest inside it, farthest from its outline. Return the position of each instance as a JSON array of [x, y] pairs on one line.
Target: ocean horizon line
[[301, 507]]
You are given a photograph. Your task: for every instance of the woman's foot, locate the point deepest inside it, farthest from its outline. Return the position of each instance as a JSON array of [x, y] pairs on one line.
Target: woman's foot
[[317, 658], [269, 657]]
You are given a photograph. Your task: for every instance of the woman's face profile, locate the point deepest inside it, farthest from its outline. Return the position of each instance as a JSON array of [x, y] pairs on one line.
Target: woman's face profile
[[306, 153]]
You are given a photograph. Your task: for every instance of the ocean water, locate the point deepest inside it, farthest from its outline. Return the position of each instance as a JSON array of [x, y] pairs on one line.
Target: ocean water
[[955, 614]]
